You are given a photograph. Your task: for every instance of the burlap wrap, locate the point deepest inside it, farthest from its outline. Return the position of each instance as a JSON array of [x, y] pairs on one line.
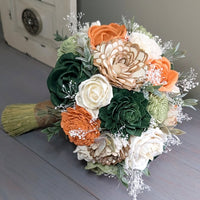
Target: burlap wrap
[[44, 115]]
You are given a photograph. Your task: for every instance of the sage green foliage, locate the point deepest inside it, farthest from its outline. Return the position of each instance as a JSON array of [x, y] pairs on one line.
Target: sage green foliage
[[174, 54], [67, 46], [132, 26], [190, 103], [100, 169], [114, 170], [58, 37], [176, 131], [64, 79], [87, 60], [53, 130], [146, 172], [152, 89], [158, 107], [126, 113]]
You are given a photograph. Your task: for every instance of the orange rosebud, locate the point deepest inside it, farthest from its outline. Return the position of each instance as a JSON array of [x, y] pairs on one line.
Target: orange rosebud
[[79, 126], [167, 78], [104, 33]]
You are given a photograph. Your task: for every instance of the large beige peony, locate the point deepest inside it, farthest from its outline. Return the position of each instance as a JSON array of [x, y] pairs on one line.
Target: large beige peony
[[94, 93], [122, 63], [145, 148]]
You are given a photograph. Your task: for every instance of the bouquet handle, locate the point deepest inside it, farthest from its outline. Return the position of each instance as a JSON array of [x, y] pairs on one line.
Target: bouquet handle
[[21, 118]]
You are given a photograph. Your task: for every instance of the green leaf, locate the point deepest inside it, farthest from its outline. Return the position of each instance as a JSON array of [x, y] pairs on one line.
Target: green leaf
[[100, 169], [58, 37], [176, 131], [165, 130], [153, 89], [177, 47], [146, 172], [52, 131], [174, 53], [190, 102], [115, 170], [121, 174]]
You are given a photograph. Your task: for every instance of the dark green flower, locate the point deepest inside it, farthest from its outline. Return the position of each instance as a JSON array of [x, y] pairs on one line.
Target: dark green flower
[[126, 113], [64, 79]]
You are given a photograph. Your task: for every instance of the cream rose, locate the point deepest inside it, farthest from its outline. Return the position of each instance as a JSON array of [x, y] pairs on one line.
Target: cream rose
[[149, 45], [94, 93], [145, 148]]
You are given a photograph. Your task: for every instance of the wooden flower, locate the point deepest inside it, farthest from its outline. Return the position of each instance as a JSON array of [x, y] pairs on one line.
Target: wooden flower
[[122, 63], [79, 127]]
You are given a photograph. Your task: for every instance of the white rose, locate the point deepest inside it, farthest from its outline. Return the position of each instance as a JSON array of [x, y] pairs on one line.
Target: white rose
[[83, 153], [94, 93], [149, 45], [145, 148]]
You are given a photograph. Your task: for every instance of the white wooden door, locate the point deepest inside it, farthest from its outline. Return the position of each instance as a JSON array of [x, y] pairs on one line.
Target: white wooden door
[[30, 25]]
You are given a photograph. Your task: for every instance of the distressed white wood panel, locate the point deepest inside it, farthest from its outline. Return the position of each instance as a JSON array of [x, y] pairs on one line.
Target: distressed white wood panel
[[43, 47]]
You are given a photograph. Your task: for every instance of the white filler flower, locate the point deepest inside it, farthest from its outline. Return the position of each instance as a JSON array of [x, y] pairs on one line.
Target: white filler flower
[[145, 148], [94, 93], [146, 43]]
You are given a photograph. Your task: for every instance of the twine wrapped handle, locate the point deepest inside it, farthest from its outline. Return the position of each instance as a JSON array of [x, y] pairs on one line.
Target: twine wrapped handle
[[21, 118]]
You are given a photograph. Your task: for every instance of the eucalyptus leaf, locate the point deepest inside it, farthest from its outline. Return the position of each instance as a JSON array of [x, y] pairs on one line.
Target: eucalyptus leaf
[[190, 102], [177, 47], [176, 131], [174, 53], [165, 130], [146, 172], [100, 169]]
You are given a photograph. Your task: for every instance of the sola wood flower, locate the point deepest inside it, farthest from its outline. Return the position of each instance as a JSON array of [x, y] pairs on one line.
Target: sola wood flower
[[104, 33], [122, 62], [78, 125], [172, 116], [144, 148], [109, 150], [167, 78], [94, 93]]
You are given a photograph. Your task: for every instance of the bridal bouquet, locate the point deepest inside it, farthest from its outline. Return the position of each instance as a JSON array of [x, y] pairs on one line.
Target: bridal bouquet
[[119, 97]]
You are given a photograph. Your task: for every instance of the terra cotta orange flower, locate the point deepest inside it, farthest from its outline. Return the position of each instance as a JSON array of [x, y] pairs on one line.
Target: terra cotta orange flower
[[79, 126], [104, 33], [168, 77]]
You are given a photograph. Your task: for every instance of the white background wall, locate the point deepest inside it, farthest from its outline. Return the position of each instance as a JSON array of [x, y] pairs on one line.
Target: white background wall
[[176, 20]]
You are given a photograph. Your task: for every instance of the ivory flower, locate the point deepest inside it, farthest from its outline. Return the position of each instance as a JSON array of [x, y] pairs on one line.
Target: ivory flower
[[83, 153], [145, 148], [94, 93], [146, 43], [109, 150], [172, 116]]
